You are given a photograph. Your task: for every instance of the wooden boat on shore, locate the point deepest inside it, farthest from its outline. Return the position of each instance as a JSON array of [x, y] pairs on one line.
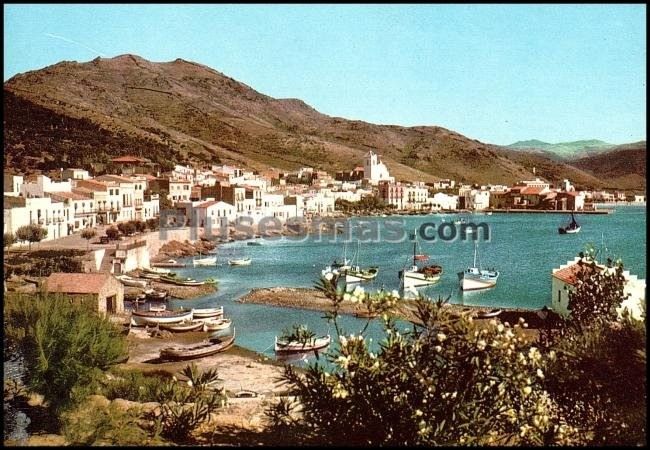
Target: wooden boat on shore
[[200, 350], [129, 281], [216, 324], [156, 270], [142, 318], [150, 276], [181, 327], [152, 294], [168, 263], [207, 313], [181, 281], [283, 346], [489, 314]]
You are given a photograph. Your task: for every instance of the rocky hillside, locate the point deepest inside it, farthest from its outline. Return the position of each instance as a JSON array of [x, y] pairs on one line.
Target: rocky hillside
[[622, 167], [564, 150], [182, 111]]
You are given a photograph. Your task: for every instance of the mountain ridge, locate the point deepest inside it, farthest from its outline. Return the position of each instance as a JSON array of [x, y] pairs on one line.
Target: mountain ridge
[[202, 115]]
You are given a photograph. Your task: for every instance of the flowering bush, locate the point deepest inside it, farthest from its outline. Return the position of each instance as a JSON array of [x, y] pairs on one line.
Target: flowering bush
[[446, 381]]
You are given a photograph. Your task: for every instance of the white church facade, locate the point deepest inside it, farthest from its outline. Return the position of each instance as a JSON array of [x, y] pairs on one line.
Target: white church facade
[[374, 170]]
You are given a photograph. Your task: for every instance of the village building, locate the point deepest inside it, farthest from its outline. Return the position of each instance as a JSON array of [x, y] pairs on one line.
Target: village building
[[12, 184], [565, 279], [75, 174], [54, 215], [104, 290], [374, 170]]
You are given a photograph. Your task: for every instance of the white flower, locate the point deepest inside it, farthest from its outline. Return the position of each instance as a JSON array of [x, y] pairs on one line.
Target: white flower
[[441, 337], [438, 348], [343, 340], [500, 328], [481, 345], [346, 297], [189, 383], [343, 361], [174, 378], [527, 390], [418, 412], [358, 291], [540, 373], [329, 276], [394, 293]]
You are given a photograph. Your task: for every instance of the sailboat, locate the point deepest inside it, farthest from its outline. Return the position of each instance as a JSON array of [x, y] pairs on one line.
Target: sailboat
[[572, 227], [207, 261], [474, 278], [356, 274], [417, 276], [338, 267]]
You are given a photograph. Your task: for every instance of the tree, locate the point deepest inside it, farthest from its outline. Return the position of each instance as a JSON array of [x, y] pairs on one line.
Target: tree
[[88, 234], [153, 224], [164, 202], [448, 380], [126, 228], [8, 239], [64, 343], [112, 233], [139, 225], [31, 233]]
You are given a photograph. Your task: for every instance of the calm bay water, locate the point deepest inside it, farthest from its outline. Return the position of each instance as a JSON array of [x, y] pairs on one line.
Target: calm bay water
[[523, 247]]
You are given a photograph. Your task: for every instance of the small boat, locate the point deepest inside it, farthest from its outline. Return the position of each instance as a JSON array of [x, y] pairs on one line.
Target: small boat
[[475, 278], [157, 308], [253, 243], [245, 393], [216, 324], [156, 270], [489, 314], [168, 263], [128, 281], [203, 262], [205, 313], [141, 318], [150, 276], [571, 227], [417, 276], [239, 262], [355, 273], [284, 346], [152, 294], [181, 281], [204, 348], [181, 327]]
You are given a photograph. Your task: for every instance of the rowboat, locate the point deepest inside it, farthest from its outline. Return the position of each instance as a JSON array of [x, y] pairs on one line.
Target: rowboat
[[216, 324], [295, 346], [150, 276], [239, 262], [190, 325], [142, 318], [202, 262], [168, 263], [206, 313], [487, 315], [181, 281], [156, 270], [152, 294], [204, 348], [128, 281]]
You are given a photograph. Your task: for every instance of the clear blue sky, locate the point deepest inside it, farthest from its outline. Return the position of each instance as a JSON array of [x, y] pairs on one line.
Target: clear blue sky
[[496, 73]]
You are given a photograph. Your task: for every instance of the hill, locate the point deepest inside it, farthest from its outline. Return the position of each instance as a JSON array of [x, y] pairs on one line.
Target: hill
[[564, 150], [623, 166], [183, 111]]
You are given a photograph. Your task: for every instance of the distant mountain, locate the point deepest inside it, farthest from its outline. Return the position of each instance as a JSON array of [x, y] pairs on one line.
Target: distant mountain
[[564, 150], [623, 166], [177, 112]]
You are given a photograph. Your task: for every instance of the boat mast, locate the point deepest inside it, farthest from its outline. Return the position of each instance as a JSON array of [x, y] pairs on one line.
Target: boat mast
[[415, 243], [475, 247]]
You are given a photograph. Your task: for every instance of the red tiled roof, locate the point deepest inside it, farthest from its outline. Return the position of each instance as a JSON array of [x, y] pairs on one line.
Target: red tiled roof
[[76, 283], [115, 178], [209, 203], [532, 190], [92, 185], [570, 274], [71, 195]]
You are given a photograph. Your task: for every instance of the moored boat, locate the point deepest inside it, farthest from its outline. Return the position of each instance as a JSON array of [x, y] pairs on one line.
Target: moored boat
[[203, 262], [206, 313], [156, 270], [204, 348], [141, 318], [253, 243], [289, 346], [474, 278], [355, 273], [168, 263], [570, 228], [129, 281], [417, 276], [152, 294], [150, 276], [240, 262], [489, 314], [216, 324], [181, 327], [181, 281]]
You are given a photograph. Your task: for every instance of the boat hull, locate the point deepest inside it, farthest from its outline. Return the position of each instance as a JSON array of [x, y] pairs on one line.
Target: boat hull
[[416, 279], [298, 347], [360, 277], [181, 328], [240, 262], [157, 318], [216, 325], [475, 283], [197, 351], [205, 262], [207, 313]]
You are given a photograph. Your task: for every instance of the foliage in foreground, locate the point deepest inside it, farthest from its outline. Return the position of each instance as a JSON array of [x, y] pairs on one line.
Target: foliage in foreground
[[452, 380], [65, 344]]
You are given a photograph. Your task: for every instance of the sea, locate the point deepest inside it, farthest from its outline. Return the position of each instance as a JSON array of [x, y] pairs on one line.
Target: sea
[[524, 248]]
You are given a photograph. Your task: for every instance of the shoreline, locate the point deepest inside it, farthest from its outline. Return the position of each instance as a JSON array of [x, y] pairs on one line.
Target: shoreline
[[312, 299]]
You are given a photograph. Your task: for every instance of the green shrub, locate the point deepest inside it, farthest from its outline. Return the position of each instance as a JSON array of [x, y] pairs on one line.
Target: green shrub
[[133, 386]]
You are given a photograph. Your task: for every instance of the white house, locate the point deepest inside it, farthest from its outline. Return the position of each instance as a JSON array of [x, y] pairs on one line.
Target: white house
[[75, 174], [44, 185], [12, 184], [416, 198], [55, 216], [440, 200], [564, 280]]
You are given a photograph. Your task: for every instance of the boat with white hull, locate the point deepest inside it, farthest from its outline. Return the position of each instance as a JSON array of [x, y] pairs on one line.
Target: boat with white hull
[[207, 313], [418, 276], [128, 281], [203, 262], [142, 318], [570, 228], [474, 278], [240, 262], [357, 274]]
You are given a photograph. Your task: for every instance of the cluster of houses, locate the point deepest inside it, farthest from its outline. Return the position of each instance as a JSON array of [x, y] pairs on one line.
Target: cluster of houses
[[218, 195]]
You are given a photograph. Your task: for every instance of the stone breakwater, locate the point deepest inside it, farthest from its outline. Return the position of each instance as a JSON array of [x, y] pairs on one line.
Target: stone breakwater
[[177, 249], [313, 299]]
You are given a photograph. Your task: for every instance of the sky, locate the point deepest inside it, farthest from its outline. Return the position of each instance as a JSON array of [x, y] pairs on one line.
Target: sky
[[495, 73]]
